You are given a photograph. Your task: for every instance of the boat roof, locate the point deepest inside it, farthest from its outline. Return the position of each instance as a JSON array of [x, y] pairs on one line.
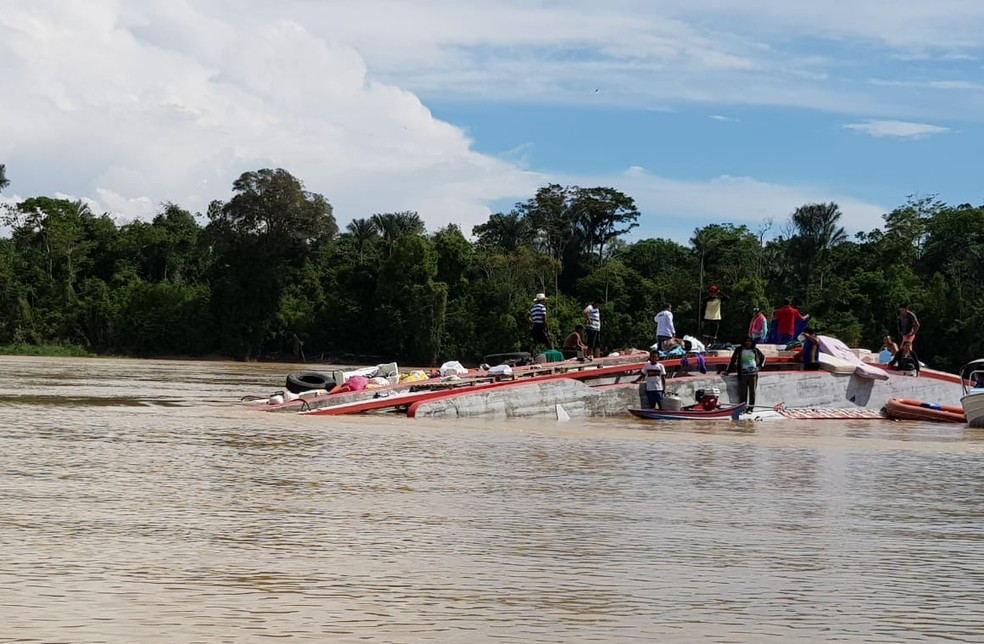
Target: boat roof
[[975, 365]]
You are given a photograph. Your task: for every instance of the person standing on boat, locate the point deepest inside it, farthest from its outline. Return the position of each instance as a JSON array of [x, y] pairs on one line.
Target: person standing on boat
[[712, 314], [664, 326], [758, 328], [786, 318], [906, 361], [746, 361], [592, 323], [908, 324], [654, 374], [538, 320], [810, 355]]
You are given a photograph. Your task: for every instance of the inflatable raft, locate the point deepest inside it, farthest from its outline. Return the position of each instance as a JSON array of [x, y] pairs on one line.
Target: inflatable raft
[[905, 409]]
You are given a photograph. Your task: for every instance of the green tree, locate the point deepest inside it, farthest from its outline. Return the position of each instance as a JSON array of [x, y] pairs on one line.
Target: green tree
[[604, 214], [504, 233], [261, 238], [817, 233], [412, 306], [454, 258]]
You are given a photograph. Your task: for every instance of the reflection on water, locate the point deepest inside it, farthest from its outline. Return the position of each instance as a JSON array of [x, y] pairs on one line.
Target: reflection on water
[[140, 502]]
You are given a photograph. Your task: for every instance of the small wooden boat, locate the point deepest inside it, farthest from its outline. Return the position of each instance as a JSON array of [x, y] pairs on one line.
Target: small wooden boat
[[904, 409], [725, 412]]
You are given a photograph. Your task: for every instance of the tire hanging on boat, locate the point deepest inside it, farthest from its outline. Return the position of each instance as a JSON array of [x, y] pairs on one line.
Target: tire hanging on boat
[[307, 380]]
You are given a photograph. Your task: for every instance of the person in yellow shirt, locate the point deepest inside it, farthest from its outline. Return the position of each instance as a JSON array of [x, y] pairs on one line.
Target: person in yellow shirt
[[712, 314]]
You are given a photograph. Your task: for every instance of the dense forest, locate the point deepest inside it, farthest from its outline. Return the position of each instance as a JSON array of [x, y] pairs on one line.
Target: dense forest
[[268, 274]]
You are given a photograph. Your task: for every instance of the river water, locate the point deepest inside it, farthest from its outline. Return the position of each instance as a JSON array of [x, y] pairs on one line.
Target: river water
[[140, 502]]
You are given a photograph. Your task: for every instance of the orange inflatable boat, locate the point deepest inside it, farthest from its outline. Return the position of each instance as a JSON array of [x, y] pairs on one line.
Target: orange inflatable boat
[[904, 409]]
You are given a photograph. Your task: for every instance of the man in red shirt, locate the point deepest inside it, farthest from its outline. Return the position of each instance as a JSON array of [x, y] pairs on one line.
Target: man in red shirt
[[786, 319]]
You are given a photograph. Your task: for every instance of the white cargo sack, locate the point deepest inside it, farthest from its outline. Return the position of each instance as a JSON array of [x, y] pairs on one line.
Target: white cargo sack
[[696, 346], [453, 368]]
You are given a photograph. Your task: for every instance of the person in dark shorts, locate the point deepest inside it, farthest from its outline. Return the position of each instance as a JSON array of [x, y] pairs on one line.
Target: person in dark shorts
[[538, 320], [810, 355], [908, 324], [592, 324], [574, 346]]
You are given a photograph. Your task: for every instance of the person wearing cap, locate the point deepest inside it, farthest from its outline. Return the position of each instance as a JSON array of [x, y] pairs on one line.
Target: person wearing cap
[[538, 320], [712, 314], [758, 328]]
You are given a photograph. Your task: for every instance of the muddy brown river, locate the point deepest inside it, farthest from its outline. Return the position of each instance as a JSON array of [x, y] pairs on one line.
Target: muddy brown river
[[140, 502]]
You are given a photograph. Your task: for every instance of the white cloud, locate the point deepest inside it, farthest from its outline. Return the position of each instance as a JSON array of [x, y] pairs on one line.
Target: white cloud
[[674, 208], [134, 102], [897, 129], [163, 103], [642, 53]]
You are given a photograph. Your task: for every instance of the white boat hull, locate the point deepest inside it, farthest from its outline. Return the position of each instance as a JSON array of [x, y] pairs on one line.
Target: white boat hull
[[973, 406]]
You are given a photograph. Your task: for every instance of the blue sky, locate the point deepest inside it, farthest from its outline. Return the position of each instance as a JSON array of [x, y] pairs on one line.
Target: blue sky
[[703, 111]]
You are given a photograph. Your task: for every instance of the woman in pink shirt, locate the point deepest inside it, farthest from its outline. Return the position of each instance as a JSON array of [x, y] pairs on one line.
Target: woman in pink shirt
[[758, 328]]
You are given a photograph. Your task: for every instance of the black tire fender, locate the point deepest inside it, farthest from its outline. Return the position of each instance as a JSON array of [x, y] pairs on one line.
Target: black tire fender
[[308, 380]]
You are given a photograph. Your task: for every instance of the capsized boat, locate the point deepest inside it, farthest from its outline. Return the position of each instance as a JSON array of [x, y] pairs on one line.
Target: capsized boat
[[972, 400], [905, 409]]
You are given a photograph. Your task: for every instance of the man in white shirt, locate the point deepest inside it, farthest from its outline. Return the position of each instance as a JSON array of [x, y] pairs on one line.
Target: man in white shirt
[[655, 376], [664, 325], [592, 323]]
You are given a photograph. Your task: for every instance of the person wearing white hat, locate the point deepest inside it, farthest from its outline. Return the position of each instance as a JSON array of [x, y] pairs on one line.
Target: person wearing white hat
[[538, 320]]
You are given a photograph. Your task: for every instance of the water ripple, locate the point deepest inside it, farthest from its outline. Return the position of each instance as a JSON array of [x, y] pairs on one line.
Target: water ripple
[[175, 515]]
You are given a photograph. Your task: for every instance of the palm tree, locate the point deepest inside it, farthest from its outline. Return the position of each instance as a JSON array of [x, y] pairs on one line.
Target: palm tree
[[4, 182], [504, 232], [363, 232], [706, 242], [817, 233]]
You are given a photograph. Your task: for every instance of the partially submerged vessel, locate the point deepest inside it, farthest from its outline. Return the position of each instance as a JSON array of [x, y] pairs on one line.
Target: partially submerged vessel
[[844, 387]]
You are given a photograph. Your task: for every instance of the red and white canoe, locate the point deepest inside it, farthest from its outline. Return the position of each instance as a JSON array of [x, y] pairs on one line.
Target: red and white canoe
[[726, 412]]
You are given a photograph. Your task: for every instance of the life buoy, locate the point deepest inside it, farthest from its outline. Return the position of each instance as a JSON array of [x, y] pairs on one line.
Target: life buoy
[[307, 380]]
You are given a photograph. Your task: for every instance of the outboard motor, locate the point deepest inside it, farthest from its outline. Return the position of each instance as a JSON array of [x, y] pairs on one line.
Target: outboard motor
[[707, 398]]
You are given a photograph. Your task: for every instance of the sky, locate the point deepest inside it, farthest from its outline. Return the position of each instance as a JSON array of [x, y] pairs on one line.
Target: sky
[[703, 111]]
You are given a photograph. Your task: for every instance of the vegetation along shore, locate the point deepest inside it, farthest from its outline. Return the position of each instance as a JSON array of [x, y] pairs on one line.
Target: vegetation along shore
[[268, 273]]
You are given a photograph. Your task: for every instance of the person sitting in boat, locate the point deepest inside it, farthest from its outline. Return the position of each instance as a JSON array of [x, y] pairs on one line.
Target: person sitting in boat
[[654, 374], [574, 346], [673, 343], [906, 361], [746, 361], [888, 350]]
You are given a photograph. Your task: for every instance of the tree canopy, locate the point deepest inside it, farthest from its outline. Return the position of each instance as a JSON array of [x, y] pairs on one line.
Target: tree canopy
[[268, 274]]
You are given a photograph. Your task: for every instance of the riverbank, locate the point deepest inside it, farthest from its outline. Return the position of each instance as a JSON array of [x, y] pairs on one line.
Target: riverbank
[[45, 350]]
